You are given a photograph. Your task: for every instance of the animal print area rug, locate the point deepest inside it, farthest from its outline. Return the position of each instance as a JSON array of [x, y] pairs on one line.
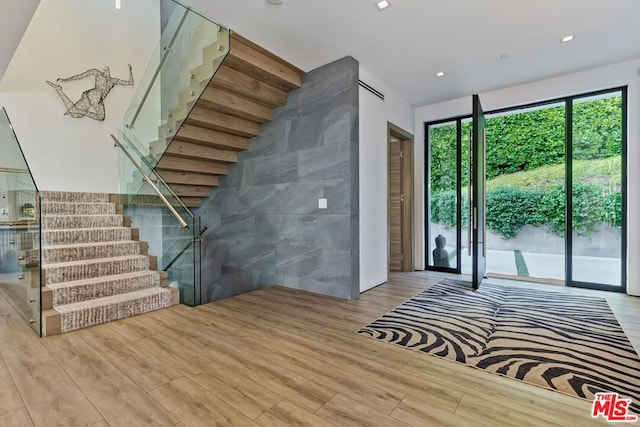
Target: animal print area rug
[[569, 343]]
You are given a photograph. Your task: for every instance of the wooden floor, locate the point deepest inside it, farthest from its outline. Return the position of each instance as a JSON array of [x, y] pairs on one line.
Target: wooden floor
[[275, 357]]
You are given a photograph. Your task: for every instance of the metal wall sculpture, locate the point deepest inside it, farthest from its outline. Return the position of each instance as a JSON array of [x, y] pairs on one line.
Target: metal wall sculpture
[[91, 102]]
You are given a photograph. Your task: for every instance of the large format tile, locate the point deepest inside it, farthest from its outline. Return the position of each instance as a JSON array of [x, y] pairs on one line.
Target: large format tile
[[326, 162]]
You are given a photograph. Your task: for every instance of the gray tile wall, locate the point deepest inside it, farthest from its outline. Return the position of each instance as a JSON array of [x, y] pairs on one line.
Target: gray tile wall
[[265, 227]]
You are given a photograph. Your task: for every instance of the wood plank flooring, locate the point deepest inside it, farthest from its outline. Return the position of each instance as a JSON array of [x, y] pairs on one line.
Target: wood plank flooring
[[276, 357]]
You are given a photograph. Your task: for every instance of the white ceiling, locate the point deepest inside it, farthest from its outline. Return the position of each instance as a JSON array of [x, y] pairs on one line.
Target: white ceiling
[[14, 18], [409, 42]]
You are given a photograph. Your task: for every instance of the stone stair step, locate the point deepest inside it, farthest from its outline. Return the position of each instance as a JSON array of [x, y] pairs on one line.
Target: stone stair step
[[100, 287], [51, 222], [85, 235], [78, 270], [74, 208], [87, 251], [63, 196], [101, 310]]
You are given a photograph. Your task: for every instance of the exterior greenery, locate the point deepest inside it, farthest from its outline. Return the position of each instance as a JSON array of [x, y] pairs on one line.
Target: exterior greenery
[[526, 169]]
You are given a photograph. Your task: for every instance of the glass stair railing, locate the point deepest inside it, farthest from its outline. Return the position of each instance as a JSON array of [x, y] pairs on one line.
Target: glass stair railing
[[20, 229], [190, 51]]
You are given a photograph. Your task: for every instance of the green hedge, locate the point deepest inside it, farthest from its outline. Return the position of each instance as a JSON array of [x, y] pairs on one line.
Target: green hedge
[[511, 208], [531, 139]]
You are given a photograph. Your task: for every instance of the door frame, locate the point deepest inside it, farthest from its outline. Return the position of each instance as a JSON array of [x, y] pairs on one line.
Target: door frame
[[407, 208], [568, 101], [478, 201]]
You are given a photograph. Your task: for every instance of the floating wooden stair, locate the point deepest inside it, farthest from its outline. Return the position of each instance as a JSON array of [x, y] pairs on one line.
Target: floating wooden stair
[[248, 86]]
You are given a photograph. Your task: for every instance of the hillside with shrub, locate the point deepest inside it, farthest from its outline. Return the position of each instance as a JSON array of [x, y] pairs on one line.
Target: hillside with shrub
[[526, 169]]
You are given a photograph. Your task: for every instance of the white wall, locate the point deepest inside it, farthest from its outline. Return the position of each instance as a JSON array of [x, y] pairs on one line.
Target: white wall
[[626, 73], [67, 37], [373, 117], [14, 20]]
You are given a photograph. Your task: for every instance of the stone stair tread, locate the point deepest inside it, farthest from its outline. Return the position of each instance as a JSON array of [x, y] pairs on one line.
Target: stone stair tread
[[55, 254], [67, 308], [53, 202], [66, 208], [57, 222], [92, 261], [101, 310], [89, 244], [85, 282], [72, 216], [77, 233], [62, 196]]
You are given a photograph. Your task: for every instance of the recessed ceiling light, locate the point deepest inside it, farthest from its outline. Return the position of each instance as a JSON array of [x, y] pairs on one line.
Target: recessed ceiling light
[[440, 74], [118, 4], [383, 4], [568, 38]]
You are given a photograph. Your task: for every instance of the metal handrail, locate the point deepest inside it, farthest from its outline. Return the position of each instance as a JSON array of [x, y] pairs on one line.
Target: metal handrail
[[167, 49], [183, 223], [159, 178], [184, 249]]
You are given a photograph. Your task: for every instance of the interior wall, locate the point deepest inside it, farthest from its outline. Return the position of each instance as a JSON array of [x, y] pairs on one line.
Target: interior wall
[[615, 75], [64, 38], [13, 23], [265, 224], [374, 115]]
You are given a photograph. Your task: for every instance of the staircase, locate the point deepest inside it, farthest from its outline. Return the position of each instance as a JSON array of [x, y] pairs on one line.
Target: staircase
[[247, 87], [94, 270]]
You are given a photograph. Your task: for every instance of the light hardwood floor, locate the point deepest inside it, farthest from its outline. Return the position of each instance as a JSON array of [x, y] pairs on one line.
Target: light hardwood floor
[[275, 357]]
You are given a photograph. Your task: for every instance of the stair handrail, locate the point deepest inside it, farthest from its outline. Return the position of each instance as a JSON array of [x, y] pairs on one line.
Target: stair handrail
[[183, 223], [166, 51], [184, 249], [159, 178]]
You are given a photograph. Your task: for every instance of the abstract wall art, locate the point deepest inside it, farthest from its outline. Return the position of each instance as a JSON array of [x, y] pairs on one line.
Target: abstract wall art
[[91, 102]]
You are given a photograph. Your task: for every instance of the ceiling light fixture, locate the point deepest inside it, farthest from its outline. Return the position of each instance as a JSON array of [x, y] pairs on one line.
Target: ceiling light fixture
[[383, 4], [117, 4], [568, 38], [440, 74], [275, 1]]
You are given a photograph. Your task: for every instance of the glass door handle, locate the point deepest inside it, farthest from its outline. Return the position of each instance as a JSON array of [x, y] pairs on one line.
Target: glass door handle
[[469, 200], [484, 192]]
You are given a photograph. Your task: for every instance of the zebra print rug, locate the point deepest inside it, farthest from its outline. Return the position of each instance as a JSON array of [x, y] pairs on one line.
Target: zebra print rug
[[568, 343]]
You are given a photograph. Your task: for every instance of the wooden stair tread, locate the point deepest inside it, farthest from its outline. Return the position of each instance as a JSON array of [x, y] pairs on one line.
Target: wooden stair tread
[[241, 96], [192, 202], [213, 138], [210, 119], [178, 164], [235, 105], [254, 61], [189, 150], [250, 87], [184, 178], [191, 190], [240, 39]]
